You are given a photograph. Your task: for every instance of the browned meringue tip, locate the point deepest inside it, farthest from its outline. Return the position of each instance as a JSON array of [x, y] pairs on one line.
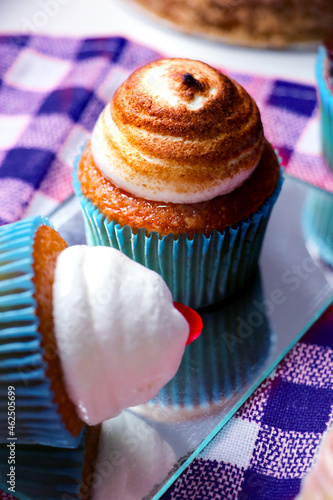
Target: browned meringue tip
[[178, 130]]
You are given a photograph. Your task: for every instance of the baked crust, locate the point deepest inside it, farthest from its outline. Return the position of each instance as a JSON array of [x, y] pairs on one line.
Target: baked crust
[[165, 218], [265, 23], [48, 245]]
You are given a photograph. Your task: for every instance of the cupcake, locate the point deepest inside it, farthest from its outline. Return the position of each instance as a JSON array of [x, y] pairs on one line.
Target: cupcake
[[85, 332], [318, 209], [324, 74], [317, 225], [31, 381], [179, 176]]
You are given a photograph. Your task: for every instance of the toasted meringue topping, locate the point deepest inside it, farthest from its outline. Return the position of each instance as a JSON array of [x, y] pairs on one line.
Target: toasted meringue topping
[[178, 131]]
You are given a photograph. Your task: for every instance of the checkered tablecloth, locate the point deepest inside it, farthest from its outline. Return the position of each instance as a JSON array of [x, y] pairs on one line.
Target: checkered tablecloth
[[270, 443], [51, 93]]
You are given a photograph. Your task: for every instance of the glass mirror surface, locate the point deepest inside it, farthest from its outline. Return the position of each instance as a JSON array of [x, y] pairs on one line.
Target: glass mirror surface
[[243, 340]]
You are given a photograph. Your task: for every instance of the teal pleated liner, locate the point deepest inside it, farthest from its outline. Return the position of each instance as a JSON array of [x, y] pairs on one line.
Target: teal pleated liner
[[198, 271], [42, 472], [326, 108], [318, 224], [235, 342], [21, 355]]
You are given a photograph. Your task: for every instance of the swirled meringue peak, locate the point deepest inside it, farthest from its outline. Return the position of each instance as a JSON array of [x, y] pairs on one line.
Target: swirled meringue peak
[[120, 338], [178, 131]]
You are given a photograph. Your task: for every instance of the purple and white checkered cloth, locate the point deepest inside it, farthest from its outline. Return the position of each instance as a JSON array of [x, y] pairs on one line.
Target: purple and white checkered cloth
[[270, 443], [51, 93]]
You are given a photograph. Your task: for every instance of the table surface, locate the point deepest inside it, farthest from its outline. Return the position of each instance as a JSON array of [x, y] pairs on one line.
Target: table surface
[[110, 17]]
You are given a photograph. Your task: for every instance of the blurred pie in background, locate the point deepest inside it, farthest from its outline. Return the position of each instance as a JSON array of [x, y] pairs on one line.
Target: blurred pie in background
[[262, 23]]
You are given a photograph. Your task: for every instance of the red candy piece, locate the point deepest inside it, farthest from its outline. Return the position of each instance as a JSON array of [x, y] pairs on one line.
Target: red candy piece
[[194, 320]]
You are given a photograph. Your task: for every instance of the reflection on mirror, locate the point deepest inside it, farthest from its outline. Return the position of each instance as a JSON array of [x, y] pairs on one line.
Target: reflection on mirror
[[43, 472], [243, 340], [132, 457], [129, 457], [235, 342]]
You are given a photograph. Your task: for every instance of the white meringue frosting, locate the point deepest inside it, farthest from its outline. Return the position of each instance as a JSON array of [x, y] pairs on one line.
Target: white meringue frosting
[[120, 339], [178, 131]]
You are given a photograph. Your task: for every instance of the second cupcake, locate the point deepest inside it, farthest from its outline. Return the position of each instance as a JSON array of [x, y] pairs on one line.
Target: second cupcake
[[179, 177], [324, 74], [84, 333]]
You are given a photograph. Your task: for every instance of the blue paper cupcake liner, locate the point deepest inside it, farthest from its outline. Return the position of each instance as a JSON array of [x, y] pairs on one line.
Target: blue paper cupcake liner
[[199, 271], [235, 342], [21, 356], [43, 473], [317, 224], [326, 108]]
